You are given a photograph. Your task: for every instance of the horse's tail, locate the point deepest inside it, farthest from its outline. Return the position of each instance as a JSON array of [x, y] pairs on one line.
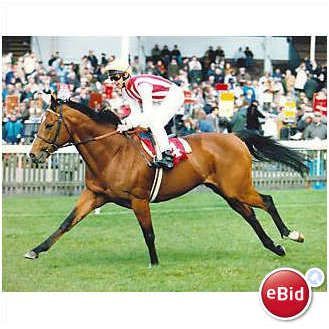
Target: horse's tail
[[267, 149]]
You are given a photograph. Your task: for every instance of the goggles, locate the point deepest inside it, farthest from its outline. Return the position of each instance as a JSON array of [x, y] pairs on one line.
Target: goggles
[[115, 77]]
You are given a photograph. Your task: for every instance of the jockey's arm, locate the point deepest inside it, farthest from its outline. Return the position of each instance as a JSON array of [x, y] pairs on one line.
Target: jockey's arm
[[134, 118], [145, 91], [139, 114]]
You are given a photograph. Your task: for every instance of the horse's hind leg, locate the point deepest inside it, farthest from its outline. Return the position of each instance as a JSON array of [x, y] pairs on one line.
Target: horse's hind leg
[[87, 202], [249, 215], [284, 231], [265, 202]]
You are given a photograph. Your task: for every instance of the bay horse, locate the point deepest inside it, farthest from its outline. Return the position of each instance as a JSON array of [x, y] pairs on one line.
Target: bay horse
[[116, 170]]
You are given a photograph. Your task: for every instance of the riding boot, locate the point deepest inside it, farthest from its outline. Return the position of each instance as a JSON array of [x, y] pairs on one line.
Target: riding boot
[[167, 161]]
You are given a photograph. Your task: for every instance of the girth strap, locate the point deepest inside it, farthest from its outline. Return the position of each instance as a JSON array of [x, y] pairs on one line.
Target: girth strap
[[156, 184]]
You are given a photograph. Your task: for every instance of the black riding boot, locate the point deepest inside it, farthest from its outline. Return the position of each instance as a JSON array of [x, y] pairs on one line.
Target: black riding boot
[[166, 162]]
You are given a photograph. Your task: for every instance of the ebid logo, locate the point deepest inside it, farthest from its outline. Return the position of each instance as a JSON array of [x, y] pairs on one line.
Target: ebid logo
[[285, 293]]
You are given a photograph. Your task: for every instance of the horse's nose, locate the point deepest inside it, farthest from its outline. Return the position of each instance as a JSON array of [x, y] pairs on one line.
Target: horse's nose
[[32, 156]]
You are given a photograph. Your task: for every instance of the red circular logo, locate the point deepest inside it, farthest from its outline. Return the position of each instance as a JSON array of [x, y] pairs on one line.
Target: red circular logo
[[285, 293]]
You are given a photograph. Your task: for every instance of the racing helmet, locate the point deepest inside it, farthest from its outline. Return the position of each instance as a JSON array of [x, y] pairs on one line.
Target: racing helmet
[[118, 66]]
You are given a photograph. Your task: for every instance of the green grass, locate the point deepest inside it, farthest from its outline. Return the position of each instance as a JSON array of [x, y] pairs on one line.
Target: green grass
[[202, 245]]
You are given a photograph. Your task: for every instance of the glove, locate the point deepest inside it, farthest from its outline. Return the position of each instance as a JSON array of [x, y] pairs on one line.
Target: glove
[[126, 125], [122, 128]]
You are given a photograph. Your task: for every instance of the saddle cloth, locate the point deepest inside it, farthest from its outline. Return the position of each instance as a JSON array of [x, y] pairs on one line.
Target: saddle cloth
[[179, 147]]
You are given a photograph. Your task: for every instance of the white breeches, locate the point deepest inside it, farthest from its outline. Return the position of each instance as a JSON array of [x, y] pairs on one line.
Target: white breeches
[[161, 114]]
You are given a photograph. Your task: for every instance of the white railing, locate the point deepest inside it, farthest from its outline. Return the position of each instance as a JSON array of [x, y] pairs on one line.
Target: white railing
[[64, 171], [303, 145]]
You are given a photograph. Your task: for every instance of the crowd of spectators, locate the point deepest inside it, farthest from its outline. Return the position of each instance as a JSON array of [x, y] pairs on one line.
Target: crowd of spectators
[[259, 102]]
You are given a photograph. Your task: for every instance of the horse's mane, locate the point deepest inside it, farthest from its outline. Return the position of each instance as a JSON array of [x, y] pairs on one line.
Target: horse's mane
[[103, 116]]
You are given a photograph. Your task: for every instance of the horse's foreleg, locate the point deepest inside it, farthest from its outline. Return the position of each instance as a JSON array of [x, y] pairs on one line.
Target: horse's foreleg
[[142, 212], [86, 203], [249, 215]]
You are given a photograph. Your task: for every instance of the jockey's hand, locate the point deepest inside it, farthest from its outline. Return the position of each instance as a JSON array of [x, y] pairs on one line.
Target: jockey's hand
[[124, 126]]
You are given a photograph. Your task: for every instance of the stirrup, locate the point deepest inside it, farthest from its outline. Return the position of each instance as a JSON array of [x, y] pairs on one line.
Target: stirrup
[[164, 164], [154, 164]]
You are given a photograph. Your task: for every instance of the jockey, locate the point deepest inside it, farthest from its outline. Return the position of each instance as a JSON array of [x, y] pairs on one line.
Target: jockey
[[153, 102]]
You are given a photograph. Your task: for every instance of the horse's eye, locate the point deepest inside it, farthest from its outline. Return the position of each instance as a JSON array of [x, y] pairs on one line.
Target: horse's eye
[[49, 125]]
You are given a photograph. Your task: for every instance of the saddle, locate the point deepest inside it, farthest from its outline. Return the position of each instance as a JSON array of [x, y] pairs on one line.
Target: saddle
[[179, 146]]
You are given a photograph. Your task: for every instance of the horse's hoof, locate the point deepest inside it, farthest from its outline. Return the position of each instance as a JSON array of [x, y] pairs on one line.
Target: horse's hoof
[[296, 236], [280, 250], [153, 265], [31, 255]]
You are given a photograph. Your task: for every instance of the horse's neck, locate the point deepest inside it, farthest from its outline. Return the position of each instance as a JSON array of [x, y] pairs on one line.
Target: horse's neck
[[96, 154]]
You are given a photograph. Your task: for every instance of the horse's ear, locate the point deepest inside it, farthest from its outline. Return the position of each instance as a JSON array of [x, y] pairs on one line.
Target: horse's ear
[[53, 102], [46, 98]]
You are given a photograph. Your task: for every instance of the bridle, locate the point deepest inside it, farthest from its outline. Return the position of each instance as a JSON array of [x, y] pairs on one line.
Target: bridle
[[61, 121]]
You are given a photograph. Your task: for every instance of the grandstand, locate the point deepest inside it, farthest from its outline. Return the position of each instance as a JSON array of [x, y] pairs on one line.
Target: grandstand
[[281, 73]]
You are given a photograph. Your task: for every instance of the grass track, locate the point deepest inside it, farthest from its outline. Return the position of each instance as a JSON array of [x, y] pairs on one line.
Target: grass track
[[202, 245]]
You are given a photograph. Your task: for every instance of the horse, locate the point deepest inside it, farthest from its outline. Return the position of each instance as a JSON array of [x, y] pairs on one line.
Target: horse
[[116, 171]]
